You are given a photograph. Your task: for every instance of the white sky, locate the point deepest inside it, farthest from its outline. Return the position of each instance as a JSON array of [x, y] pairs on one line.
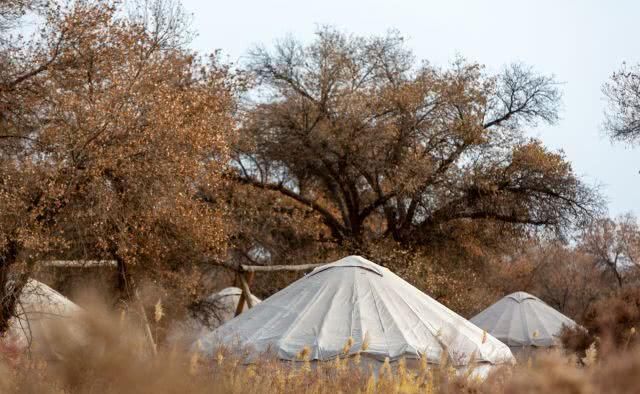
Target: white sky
[[581, 42]]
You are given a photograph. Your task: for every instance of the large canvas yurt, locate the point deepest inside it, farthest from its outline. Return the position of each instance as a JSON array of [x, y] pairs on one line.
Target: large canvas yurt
[[521, 320], [354, 300]]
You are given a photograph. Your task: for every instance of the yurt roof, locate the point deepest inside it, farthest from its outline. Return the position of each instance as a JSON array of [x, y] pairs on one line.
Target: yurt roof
[[38, 305], [521, 319], [356, 300], [232, 294]]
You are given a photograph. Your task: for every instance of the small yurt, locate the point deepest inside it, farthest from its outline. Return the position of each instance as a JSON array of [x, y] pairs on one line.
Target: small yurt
[[356, 301], [39, 307], [217, 309], [522, 321], [223, 304]]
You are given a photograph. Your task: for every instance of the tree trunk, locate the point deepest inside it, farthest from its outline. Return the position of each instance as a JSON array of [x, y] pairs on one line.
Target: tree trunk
[[618, 276], [10, 288], [127, 291], [123, 282]]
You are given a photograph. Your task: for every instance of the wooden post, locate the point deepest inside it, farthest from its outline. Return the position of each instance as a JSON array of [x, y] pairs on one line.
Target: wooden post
[[272, 268], [246, 291], [245, 296], [250, 270], [80, 263], [240, 305]]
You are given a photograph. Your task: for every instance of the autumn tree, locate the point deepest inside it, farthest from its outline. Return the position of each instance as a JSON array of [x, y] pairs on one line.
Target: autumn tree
[[109, 129], [374, 145], [569, 280], [563, 274]]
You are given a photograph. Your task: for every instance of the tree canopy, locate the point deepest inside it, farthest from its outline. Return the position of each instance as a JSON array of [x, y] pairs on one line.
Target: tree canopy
[[377, 145], [108, 127], [623, 95]]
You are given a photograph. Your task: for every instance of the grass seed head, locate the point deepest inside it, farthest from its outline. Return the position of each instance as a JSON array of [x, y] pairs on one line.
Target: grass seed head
[[158, 311], [219, 357], [591, 355], [304, 354], [347, 346], [365, 342]]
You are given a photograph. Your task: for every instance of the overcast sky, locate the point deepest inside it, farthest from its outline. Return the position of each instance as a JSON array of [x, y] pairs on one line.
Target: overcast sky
[[580, 42]]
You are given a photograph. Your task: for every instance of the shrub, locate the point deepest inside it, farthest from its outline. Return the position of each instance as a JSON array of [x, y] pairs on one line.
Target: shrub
[[610, 322]]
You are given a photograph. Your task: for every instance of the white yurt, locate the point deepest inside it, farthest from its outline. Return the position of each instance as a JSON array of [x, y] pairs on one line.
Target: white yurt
[[224, 303], [39, 307], [355, 298], [218, 308], [521, 320]]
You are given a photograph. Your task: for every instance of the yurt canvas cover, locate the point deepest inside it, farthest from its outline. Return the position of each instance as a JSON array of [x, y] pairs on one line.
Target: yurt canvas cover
[[39, 305], [355, 298], [224, 304], [521, 319], [221, 307]]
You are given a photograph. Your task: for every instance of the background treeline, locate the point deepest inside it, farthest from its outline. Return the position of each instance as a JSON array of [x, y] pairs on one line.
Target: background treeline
[[119, 142]]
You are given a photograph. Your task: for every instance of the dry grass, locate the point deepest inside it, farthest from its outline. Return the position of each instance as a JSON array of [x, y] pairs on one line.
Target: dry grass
[[114, 358]]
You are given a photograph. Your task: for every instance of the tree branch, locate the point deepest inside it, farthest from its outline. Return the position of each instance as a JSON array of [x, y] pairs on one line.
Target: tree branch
[[338, 228]]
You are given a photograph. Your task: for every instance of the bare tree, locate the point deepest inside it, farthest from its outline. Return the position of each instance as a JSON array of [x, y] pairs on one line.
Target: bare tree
[[615, 245], [623, 95]]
